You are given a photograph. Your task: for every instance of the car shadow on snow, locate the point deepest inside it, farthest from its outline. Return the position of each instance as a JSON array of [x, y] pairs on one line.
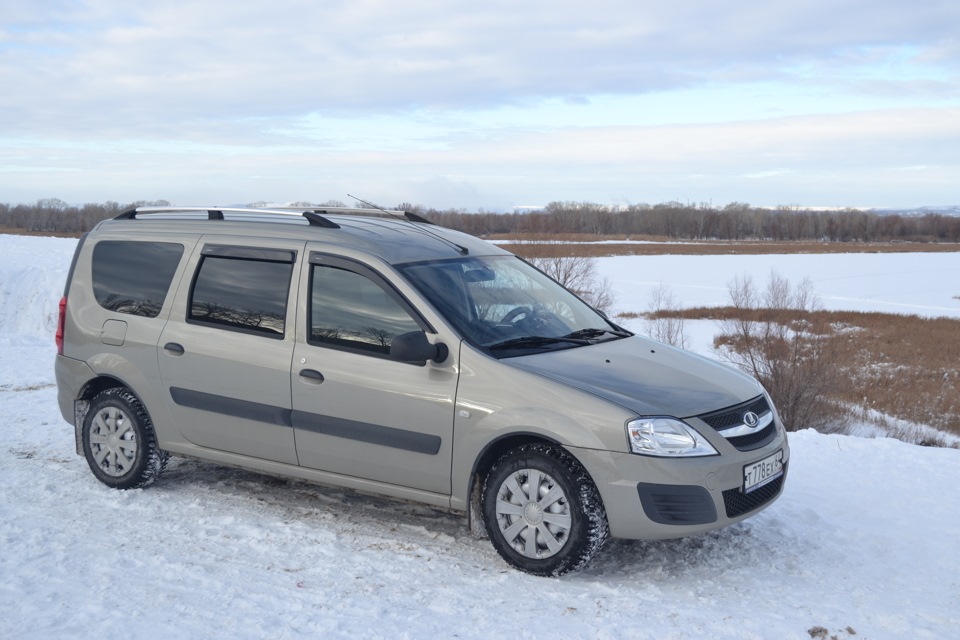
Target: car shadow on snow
[[292, 498], [755, 543]]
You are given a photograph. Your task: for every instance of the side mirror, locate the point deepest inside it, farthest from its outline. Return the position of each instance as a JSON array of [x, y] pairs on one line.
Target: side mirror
[[414, 348]]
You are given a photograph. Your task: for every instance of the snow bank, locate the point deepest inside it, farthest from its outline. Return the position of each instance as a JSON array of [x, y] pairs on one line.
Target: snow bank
[[33, 272]]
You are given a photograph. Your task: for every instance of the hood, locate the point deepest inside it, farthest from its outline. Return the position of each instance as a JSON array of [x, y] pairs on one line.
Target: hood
[[645, 376]]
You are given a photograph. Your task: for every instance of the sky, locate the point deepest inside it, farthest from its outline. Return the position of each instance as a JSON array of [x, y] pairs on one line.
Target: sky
[[481, 105]]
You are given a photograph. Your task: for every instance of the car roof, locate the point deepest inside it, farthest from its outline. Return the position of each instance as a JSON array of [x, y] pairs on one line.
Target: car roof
[[394, 236]]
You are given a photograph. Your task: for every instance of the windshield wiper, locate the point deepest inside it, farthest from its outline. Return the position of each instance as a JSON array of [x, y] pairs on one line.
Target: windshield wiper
[[596, 333], [535, 341]]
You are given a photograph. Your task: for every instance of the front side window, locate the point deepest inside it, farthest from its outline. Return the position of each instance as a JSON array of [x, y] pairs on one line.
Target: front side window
[[134, 277], [241, 293], [350, 311]]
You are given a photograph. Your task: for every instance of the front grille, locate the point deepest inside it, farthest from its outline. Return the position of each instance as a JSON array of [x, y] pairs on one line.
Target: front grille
[[733, 416], [738, 503], [753, 441]]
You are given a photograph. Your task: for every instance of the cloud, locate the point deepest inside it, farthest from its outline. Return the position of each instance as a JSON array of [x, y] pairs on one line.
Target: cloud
[[478, 104], [110, 65]]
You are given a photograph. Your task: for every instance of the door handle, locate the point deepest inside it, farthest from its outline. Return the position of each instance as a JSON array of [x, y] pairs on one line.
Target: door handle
[[174, 349], [311, 376]]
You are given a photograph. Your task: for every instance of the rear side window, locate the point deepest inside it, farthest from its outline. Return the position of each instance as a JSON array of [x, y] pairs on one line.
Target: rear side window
[[134, 277], [242, 290]]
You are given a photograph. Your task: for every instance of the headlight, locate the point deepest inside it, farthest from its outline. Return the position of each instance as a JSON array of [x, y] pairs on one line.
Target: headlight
[[667, 437]]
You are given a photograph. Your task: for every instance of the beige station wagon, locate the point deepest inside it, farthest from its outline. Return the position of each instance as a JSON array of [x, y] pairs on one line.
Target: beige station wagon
[[373, 350]]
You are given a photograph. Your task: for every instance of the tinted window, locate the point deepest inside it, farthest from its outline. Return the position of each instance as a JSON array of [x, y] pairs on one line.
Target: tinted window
[[134, 277], [249, 295], [350, 310]]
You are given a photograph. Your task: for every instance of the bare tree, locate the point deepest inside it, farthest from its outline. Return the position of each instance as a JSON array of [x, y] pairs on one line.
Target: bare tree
[[579, 275], [663, 323], [777, 337]]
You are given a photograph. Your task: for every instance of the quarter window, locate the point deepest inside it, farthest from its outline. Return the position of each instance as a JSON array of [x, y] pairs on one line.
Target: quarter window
[[134, 277], [242, 294], [349, 310]]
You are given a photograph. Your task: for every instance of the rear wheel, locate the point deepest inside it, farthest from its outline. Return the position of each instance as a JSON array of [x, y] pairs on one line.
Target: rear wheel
[[542, 511], [119, 443]]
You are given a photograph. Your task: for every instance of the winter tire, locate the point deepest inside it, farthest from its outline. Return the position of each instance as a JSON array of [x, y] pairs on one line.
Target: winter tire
[[542, 511], [119, 442]]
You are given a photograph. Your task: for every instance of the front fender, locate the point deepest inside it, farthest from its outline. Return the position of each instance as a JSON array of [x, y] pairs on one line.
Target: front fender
[[496, 401]]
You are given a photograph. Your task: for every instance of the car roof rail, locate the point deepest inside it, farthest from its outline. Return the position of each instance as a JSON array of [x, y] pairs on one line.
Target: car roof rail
[[353, 211], [316, 216]]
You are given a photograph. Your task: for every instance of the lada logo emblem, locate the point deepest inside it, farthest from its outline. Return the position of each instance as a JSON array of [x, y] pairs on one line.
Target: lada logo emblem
[[751, 419]]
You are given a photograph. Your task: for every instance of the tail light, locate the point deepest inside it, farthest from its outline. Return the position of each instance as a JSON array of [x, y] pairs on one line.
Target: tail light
[[60, 324]]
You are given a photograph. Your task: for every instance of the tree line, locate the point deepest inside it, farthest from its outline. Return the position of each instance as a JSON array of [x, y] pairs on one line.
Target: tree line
[[736, 221], [54, 216], [671, 220]]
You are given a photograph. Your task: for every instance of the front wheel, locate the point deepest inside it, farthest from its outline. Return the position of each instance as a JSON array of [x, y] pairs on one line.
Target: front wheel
[[542, 511], [119, 443]]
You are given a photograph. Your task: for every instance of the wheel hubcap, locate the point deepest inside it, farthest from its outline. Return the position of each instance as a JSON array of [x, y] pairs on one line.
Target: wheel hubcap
[[113, 441], [533, 513]]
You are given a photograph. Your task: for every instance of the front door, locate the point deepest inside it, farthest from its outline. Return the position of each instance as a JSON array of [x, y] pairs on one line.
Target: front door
[[356, 411]]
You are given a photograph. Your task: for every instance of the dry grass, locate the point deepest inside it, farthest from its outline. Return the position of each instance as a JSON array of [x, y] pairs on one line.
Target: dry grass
[[542, 247], [902, 366], [46, 234]]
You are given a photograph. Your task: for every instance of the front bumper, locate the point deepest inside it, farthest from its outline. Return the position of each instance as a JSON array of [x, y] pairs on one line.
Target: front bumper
[[651, 498]]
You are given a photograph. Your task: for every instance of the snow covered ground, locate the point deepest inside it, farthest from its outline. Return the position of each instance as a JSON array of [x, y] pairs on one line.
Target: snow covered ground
[[864, 540], [923, 284]]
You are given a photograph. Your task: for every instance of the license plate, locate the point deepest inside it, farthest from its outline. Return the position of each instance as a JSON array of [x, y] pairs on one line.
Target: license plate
[[760, 473]]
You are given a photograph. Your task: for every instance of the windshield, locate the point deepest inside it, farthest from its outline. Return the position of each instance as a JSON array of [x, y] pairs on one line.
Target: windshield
[[506, 307]]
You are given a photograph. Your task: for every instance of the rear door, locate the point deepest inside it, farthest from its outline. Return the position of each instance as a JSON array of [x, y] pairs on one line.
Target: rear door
[[356, 411], [225, 352]]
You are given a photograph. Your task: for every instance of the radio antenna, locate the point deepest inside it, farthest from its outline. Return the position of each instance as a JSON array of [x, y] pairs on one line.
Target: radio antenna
[[411, 218]]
